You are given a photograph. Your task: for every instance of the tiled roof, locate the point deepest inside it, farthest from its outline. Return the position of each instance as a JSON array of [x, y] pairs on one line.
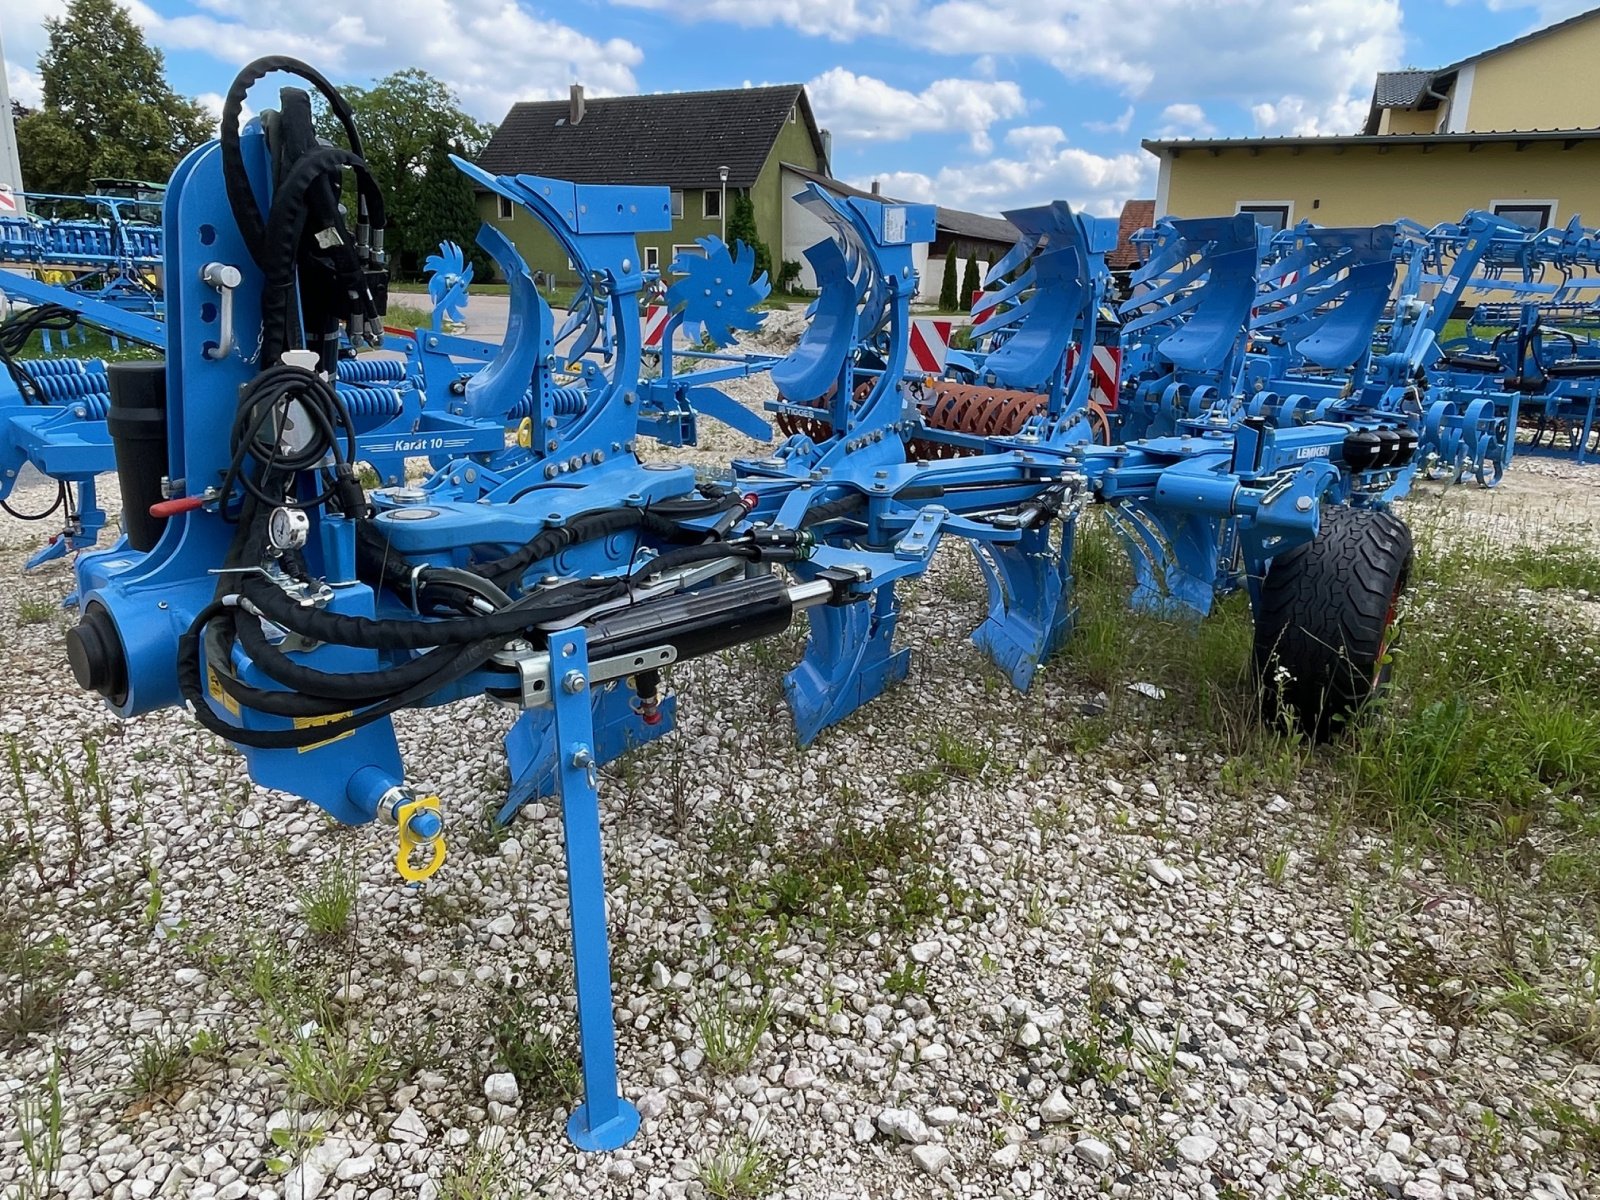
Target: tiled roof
[[1217, 145], [1399, 89], [677, 139], [1136, 215]]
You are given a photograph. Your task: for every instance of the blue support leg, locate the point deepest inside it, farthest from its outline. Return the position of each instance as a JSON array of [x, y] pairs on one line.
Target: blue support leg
[[605, 1120], [850, 658]]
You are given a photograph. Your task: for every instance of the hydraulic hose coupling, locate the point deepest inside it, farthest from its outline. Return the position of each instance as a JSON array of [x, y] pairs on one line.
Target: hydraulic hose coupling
[[421, 827]]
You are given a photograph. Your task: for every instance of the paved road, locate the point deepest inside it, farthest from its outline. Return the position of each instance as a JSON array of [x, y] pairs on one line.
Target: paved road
[[486, 315]]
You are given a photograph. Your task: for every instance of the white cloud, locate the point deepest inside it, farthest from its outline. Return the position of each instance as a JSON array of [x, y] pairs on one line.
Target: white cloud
[[1184, 120], [1122, 124], [1546, 11], [25, 38], [1317, 56], [840, 20], [492, 52], [861, 108], [1044, 168], [24, 86]]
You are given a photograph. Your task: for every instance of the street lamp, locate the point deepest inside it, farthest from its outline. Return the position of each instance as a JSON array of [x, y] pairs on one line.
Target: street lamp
[[722, 173]]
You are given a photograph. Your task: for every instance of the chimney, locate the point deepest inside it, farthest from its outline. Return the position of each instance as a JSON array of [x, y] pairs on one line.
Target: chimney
[[877, 190], [575, 107]]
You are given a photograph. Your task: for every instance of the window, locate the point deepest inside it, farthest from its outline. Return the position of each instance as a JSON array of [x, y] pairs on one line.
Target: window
[[652, 258], [793, 109], [677, 204], [1274, 214], [1530, 214], [691, 250], [713, 200], [504, 204]]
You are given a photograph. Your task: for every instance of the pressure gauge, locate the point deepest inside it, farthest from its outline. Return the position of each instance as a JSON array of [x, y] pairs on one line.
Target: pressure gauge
[[287, 529]]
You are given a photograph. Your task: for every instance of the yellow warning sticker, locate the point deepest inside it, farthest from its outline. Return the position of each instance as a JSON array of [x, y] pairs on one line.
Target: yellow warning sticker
[[214, 685], [329, 719]]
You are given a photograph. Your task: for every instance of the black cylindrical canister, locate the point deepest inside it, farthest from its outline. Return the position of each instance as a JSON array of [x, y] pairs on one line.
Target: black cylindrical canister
[[137, 423]]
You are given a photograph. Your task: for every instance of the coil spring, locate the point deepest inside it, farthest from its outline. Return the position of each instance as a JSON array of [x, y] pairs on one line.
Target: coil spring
[[66, 389], [66, 366], [373, 401], [372, 370], [565, 402]]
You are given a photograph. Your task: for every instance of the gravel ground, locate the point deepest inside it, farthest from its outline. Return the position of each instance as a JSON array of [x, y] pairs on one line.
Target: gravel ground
[[1054, 969]]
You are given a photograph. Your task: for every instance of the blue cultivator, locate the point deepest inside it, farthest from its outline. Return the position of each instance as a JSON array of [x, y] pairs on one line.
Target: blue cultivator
[[294, 612], [108, 246], [1529, 362]]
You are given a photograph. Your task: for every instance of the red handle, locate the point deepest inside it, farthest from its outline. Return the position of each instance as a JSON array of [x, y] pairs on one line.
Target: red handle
[[171, 508]]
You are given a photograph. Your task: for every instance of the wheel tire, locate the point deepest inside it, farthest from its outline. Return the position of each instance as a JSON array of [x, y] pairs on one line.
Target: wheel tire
[[1324, 622]]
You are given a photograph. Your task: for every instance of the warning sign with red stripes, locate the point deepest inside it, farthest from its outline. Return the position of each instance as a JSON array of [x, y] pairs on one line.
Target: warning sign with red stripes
[[8, 200], [654, 323], [930, 345], [1105, 373]]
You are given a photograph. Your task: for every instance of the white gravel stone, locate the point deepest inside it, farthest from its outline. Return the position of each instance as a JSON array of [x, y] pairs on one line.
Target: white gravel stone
[[1345, 1113], [501, 1088], [1056, 1108], [408, 1127], [1094, 1152], [1007, 1156], [1162, 873], [932, 1159], [1196, 1148], [1386, 1172], [904, 1124]]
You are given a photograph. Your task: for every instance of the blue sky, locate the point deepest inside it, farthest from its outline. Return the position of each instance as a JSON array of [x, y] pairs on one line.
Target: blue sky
[[980, 104]]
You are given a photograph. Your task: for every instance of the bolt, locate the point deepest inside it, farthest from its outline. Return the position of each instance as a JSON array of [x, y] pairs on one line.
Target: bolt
[[1303, 504], [573, 682], [581, 757]]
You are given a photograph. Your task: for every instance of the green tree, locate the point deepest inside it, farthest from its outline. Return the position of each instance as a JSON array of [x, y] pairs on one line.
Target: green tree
[[108, 109], [969, 284], [947, 286], [445, 208], [406, 120], [742, 228]]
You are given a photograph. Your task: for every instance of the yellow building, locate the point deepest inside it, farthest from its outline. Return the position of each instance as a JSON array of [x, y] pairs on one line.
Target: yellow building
[[1514, 130]]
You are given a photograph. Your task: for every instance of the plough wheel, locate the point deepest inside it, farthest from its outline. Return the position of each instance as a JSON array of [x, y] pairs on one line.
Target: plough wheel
[[1100, 424], [1326, 615]]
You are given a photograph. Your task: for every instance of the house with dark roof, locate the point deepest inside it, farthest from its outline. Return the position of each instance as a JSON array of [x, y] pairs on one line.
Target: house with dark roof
[[964, 234], [1514, 129], [1135, 215], [707, 147]]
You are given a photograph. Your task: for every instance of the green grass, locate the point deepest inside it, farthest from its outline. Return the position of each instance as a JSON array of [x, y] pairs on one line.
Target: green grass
[[841, 875], [33, 979], [159, 1065], [333, 1069], [406, 316], [94, 344], [32, 611], [546, 1067], [1483, 758], [730, 1033], [329, 904], [743, 1170]]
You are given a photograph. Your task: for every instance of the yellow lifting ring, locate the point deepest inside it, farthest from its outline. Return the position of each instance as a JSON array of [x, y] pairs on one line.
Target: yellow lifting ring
[[421, 828]]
